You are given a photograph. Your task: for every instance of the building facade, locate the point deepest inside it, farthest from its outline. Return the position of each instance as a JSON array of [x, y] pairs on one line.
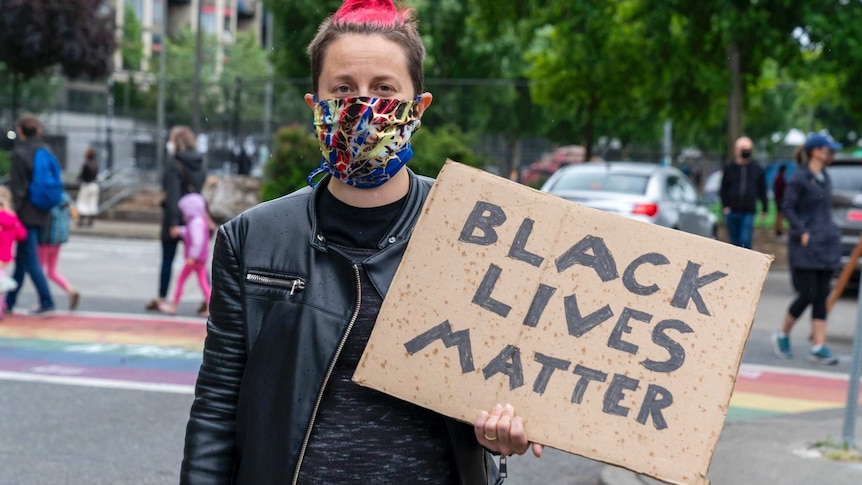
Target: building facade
[[222, 18]]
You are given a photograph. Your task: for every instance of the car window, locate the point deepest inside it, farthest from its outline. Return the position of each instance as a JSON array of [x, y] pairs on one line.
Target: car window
[[675, 189], [689, 194], [846, 177], [624, 183]]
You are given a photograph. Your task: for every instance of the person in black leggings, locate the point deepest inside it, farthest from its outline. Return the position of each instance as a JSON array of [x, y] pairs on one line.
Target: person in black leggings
[[814, 245], [184, 173]]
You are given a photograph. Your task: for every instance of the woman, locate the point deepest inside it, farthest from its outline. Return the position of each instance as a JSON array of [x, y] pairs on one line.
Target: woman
[[295, 294], [814, 245], [88, 192], [184, 173], [778, 187]]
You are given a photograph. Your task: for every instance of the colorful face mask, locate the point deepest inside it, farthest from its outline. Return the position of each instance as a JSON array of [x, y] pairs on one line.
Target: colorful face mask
[[364, 141]]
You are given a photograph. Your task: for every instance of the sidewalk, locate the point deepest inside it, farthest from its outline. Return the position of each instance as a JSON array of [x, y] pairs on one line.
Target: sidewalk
[[114, 228], [770, 451]]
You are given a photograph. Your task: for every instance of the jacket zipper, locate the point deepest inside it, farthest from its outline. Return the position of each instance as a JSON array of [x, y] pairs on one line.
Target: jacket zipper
[[328, 375], [295, 284]]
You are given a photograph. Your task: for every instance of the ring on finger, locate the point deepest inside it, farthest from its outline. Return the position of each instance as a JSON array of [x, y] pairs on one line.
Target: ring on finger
[[490, 438]]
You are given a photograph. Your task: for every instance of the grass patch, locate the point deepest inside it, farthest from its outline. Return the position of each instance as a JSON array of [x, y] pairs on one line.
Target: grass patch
[[838, 451], [767, 222]]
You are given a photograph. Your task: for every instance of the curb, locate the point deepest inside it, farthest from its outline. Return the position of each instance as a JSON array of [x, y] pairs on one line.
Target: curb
[[132, 231], [612, 475]]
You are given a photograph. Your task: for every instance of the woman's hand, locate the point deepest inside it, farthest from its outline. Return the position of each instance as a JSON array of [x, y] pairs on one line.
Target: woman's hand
[[803, 240], [502, 432]]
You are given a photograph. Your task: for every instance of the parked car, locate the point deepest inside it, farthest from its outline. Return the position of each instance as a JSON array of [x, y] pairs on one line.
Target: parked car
[[712, 188], [846, 176], [648, 192]]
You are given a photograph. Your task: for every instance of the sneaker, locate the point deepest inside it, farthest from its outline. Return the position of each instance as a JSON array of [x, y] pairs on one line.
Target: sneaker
[[823, 356], [781, 345], [153, 305], [167, 308], [41, 311]]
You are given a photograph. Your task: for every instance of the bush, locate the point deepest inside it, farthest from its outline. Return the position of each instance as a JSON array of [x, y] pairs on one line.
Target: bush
[[295, 155], [432, 147]]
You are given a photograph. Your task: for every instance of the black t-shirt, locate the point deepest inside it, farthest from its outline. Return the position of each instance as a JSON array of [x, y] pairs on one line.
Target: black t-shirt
[[361, 435], [355, 227]]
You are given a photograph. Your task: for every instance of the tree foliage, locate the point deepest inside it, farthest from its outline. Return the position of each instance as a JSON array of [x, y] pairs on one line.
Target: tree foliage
[[131, 46], [244, 62], [77, 35], [295, 154], [432, 146]]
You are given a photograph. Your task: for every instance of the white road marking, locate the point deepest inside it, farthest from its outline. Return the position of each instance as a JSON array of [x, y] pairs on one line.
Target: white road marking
[[100, 383]]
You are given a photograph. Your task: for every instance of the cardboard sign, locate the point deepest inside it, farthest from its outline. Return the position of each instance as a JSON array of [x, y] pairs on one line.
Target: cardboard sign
[[614, 339]]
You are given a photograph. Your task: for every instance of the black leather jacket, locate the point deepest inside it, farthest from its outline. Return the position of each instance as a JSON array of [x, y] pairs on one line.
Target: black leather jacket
[[280, 308]]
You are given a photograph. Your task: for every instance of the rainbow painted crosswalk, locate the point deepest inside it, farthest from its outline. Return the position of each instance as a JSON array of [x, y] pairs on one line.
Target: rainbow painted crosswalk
[[769, 391], [132, 351], [164, 354]]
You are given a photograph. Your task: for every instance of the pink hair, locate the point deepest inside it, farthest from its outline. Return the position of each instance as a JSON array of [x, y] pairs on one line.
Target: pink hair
[[382, 13], [371, 17]]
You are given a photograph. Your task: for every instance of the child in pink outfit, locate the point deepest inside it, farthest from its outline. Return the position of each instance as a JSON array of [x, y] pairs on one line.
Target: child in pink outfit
[[11, 231], [195, 235]]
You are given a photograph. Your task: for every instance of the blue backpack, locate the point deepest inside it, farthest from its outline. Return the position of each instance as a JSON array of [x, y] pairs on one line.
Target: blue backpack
[[46, 186]]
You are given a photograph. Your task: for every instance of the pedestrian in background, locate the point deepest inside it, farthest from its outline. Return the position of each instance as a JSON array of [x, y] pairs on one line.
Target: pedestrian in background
[[88, 190], [743, 183], [195, 235], [184, 173], [29, 140], [11, 231], [53, 237], [778, 187], [298, 283], [813, 245]]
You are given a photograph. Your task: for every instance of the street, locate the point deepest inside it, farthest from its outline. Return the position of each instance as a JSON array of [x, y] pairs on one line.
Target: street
[[88, 399]]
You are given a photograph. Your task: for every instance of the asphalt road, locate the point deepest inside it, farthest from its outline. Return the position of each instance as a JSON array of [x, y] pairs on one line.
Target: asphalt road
[[67, 434]]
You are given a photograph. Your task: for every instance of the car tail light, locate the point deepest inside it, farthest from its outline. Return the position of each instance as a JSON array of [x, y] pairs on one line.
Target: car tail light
[[649, 210], [854, 215]]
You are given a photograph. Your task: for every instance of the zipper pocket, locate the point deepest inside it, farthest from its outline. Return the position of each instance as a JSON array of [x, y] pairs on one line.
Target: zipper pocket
[[295, 284]]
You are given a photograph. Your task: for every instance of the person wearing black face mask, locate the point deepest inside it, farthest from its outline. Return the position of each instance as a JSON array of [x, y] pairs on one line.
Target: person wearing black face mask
[[743, 183]]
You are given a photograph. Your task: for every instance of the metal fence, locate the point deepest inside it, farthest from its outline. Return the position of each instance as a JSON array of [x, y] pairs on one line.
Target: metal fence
[[233, 114]]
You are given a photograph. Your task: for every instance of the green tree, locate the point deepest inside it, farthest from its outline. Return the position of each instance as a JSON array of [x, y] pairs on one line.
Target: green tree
[[36, 35], [132, 45], [433, 146], [584, 61], [297, 22], [35, 95], [295, 154], [713, 54], [245, 62]]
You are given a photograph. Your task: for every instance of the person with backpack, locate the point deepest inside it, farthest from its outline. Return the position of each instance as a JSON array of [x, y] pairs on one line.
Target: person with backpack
[[55, 235], [184, 173], [33, 179]]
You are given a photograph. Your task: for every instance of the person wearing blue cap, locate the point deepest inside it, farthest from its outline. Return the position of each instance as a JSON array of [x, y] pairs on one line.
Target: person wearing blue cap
[[743, 183], [813, 244]]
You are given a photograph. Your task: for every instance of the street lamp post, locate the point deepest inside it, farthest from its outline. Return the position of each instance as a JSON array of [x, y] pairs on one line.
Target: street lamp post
[[109, 123]]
